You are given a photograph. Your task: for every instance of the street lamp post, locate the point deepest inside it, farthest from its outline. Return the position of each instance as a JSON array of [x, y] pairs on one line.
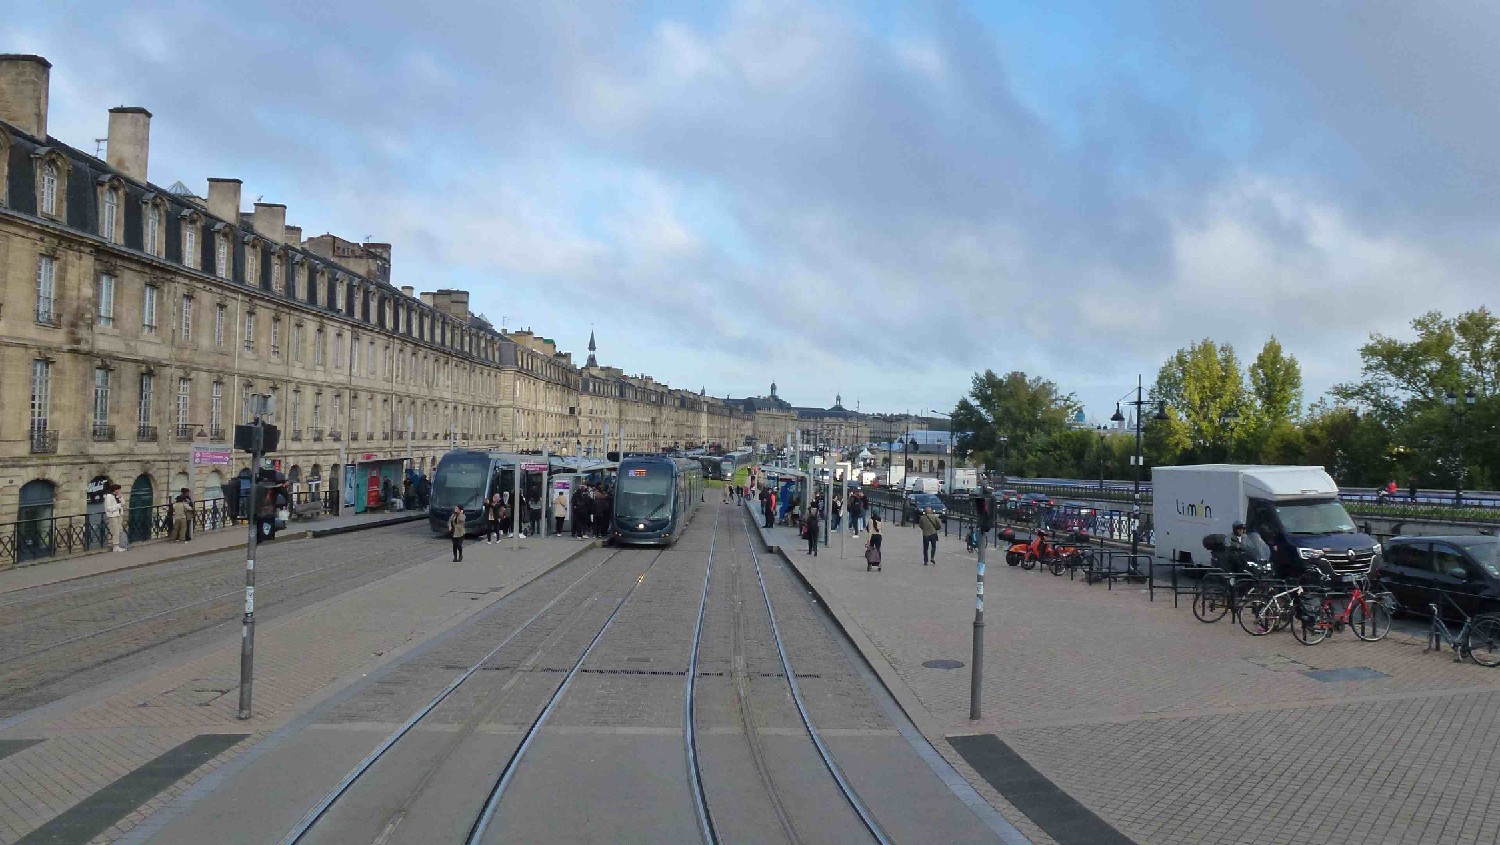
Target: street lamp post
[[1136, 461], [951, 473], [1101, 431], [1460, 410]]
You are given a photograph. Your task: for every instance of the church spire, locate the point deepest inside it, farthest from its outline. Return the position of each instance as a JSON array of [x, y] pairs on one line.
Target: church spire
[[592, 362]]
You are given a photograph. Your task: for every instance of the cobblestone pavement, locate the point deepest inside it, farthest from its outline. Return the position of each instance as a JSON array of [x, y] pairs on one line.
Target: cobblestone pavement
[[64, 637], [399, 590], [610, 764], [1175, 731]]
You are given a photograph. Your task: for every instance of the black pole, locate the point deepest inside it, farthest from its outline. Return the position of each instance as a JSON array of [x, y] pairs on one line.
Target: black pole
[[1135, 507], [247, 624]]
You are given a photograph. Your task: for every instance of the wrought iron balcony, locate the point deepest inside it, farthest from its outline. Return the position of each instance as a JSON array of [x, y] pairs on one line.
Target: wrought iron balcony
[[182, 431], [296, 434], [145, 433], [353, 437], [335, 435], [216, 435], [104, 433], [317, 435], [43, 441]]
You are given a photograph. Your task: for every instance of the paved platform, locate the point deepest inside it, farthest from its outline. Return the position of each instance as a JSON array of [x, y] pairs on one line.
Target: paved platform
[[92, 767], [55, 570], [1166, 729]]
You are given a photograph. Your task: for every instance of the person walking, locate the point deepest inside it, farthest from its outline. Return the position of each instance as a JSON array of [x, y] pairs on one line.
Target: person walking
[[875, 535], [856, 511], [810, 529], [930, 525], [182, 516], [1411, 488], [114, 515], [559, 512], [492, 518], [456, 530]]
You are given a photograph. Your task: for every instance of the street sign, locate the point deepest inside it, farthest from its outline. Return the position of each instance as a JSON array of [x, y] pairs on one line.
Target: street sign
[[211, 456], [533, 467]]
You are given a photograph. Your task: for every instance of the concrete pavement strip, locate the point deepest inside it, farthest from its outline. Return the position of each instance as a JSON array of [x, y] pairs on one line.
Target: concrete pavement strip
[[115, 720]]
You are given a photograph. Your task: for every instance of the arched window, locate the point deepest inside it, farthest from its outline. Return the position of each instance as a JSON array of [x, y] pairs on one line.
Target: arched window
[[152, 235], [34, 515]]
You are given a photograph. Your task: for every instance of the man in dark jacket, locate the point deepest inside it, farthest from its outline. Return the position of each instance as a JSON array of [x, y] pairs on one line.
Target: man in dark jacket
[[602, 508], [765, 505], [580, 511]]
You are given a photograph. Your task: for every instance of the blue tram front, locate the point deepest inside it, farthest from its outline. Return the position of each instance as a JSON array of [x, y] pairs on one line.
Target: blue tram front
[[655, 497]]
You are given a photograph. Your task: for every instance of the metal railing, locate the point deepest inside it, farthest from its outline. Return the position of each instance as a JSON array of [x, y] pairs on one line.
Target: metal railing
[[335, 435], [28, 541], [43, 441], [182, 431], [103, 432], [216, 435], [146, 433], [296, 434], [317, 435]]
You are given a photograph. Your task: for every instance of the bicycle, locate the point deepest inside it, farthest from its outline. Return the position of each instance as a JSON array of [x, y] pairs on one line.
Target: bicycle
[[1365, 613], [1223, 593], [1264, 615], [1482, 631]]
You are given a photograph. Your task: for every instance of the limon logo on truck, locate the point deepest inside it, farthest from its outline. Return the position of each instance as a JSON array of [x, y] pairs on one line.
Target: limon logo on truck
[[1201, 510]]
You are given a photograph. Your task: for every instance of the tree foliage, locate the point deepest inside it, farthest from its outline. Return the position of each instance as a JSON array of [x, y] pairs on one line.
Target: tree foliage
[[1027, 411]]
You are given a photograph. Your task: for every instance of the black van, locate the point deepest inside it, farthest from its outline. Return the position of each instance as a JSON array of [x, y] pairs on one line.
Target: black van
[[1465, 567]]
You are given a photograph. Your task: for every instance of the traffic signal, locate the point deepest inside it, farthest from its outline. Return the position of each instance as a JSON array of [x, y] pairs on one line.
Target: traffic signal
[[984, 509]]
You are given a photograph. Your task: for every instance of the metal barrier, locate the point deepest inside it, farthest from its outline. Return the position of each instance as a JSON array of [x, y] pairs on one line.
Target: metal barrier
[[28, 541]]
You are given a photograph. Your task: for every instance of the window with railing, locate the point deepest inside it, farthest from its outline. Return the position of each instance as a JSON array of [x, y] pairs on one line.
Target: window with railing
[[102, 377], [184, 404], [275, 337], [186, 318], [249, 331], [104, 300], [219, 314], [318, 340], [46, 290], [216, 409], [41, 399]]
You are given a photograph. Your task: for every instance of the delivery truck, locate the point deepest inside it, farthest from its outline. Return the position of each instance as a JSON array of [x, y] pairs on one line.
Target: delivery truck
[[1294, 511]]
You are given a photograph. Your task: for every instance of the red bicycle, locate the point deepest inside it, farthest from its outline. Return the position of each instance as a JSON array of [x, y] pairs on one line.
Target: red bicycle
[[1317, 615]]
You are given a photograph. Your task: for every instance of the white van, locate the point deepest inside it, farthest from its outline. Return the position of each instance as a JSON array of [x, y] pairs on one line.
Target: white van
[[923, 485]]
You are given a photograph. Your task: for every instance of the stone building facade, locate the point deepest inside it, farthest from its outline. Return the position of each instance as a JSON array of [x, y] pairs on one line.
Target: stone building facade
[[136, 322]]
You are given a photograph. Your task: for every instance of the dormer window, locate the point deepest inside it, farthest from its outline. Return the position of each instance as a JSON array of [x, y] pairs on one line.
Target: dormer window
[[192, 256], [222, 257], [49, 189], [276, 274], [153, 230], [109, 218], [252, 265]]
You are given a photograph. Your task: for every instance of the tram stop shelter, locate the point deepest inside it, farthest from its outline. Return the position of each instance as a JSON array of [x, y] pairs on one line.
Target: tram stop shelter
[[371, 483]]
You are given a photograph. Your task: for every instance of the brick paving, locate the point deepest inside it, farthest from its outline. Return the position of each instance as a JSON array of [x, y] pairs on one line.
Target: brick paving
[[1172, 730], [98, 736]]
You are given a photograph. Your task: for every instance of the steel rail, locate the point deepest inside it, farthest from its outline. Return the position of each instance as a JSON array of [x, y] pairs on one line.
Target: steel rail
[[296, 834], [791, 679], [507, 774], [689, 705]]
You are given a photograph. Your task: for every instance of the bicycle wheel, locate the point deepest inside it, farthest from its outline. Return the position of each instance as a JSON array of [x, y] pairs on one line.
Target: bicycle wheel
[[1211, 602], [1057, 565], [1310, 627], [1369, 620], [1482, 642], [1260, 616], [1028, 562]]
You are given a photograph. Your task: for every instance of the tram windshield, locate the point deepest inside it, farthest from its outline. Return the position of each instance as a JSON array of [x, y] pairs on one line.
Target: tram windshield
[[644, 491], [460, 480]]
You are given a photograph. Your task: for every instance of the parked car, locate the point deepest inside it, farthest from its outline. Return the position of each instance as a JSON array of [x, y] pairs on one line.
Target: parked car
[[1420, 570], [1009, 495], [1074, 516], [917, 502]]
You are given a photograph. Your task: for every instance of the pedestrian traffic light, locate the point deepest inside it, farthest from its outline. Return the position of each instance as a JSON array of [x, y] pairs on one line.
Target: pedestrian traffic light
[[984, 509]]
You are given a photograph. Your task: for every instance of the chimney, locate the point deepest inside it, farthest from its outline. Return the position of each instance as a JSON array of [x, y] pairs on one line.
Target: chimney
[[23, 92], [293, 235], [427, 298], [224, 199], [408, 291], [129, 141], [270, 220]]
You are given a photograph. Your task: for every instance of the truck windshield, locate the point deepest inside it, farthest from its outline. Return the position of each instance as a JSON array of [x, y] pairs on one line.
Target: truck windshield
[[1316, 517]]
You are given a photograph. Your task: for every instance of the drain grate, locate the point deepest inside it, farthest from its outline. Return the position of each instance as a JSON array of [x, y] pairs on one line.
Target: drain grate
[[943, 664], [1347, 673]]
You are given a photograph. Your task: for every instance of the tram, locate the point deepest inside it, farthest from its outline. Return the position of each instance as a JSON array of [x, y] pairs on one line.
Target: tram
[[723, 467], [468, 477], [655, 497]]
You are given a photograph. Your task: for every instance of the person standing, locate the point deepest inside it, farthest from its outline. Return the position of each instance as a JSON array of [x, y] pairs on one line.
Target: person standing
[[534, 514], [765, 506], [456, 531], [1411, 488], [603, 504], [930, 525], [810, 529], [181, 516], [114, 515], [838, 513], [559, 512], [492, 519]]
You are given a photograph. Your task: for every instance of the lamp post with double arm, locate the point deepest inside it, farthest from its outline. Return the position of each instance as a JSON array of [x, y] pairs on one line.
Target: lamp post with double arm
[[1460, 410], [1140, 403]]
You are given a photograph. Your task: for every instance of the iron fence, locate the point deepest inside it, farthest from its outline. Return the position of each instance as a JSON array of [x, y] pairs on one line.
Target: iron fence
[[35, 540]]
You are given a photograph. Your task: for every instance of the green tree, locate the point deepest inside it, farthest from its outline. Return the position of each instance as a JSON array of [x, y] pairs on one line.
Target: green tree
[[1202, 386], [1276, 402], [1027, 411]]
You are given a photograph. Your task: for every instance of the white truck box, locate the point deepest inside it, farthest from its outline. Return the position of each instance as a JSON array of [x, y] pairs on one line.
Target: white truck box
[[1190, 502]]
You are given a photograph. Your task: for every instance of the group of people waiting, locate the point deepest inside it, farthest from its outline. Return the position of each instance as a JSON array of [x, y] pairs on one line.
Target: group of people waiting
[[590, 507]]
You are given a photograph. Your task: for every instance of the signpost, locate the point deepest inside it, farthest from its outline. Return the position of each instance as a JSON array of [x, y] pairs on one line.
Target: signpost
[[256, 438]]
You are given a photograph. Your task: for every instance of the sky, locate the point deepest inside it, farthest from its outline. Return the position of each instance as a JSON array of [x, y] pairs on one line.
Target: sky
[[861, 198]]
